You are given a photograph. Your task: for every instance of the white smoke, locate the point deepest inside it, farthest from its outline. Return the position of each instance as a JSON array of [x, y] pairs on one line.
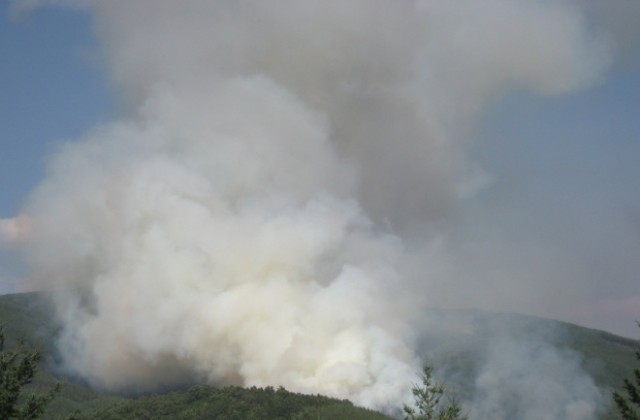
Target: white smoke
[[221, 242], [529, 380], [246, 221], [520, 366]]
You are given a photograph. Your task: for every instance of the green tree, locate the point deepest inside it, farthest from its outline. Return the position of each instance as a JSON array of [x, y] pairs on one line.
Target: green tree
[[17, 369], [428, 400], [625, 405]]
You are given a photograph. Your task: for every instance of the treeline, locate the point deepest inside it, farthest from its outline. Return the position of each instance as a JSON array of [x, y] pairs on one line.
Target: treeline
[[234, 403]]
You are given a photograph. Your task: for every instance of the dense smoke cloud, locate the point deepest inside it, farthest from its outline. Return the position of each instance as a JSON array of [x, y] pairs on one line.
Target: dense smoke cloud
[[259, 214]]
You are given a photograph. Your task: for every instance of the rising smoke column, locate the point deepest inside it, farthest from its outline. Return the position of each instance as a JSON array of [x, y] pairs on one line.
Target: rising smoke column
[[230, 254], [246, 221]]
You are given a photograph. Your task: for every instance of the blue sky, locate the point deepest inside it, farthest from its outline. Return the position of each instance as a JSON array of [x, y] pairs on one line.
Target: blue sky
[[52, 90], [565, 170], [567, 175]]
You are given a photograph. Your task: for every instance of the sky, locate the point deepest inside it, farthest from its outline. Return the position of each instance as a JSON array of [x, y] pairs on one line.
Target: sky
[[52, 90], [560, 196], [566, 172]]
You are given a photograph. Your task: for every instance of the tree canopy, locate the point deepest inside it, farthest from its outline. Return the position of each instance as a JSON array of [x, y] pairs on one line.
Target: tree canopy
[[17, 369], [632, 387], [428, 400]]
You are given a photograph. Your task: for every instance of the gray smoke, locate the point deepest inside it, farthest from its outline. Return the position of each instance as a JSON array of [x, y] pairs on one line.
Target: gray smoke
[[271, 208], [509, 366]]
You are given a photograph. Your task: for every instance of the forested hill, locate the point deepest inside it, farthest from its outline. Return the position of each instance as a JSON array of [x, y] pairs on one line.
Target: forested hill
[[27, 318]]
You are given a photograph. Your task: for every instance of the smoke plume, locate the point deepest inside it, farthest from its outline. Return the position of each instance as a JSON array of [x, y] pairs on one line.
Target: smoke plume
[[257, 215]]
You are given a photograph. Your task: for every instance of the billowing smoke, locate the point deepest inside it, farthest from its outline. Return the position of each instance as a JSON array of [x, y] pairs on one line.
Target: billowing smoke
[[256, 215]]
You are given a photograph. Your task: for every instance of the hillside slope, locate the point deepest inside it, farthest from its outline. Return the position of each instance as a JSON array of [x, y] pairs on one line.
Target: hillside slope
[[452, 344], [27, 319]]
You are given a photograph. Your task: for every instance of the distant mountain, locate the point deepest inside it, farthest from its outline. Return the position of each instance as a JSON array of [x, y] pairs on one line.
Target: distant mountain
[[455, 342]]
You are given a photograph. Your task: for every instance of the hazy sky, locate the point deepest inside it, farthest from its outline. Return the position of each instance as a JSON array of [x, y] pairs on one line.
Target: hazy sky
[[561, 198]]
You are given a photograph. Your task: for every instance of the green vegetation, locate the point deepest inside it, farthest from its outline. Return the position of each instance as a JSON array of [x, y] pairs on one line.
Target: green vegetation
[[27, 321], [632, 388], [17, 369], [428, 400], [206, 402]]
